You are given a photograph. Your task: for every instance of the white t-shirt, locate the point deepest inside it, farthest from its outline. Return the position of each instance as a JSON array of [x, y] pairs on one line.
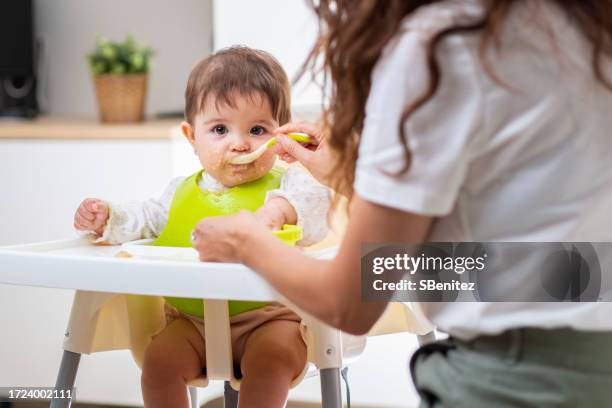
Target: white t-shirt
[[527, 162]]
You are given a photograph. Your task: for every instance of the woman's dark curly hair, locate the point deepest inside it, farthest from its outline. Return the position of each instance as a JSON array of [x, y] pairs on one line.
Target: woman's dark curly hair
[[353, 33]]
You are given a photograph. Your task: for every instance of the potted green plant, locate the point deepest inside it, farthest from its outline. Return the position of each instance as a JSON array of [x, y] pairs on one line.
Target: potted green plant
[[120, 72]]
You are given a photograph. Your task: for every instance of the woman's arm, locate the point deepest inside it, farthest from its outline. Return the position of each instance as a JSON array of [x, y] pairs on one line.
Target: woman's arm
[[331, 289]]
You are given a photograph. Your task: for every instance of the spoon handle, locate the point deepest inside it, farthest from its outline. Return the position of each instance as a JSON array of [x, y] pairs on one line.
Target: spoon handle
[[298, 137]]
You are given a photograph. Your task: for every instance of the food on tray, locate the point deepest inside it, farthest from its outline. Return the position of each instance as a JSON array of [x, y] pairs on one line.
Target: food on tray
[[123, 254]]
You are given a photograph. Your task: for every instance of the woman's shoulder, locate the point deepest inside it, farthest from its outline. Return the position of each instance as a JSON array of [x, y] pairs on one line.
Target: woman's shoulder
[[402, 72], [430, 19], [408, 50]]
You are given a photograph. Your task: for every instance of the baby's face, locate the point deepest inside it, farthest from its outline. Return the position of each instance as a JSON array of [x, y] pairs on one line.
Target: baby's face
[[221, 133]]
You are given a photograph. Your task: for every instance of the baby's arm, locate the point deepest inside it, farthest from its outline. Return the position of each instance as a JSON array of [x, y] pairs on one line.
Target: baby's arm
[[134, 220], [276, 212], [300, 200]]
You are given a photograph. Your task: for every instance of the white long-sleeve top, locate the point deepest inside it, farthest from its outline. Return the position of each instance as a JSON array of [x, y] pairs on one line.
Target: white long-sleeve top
[[146, 219]]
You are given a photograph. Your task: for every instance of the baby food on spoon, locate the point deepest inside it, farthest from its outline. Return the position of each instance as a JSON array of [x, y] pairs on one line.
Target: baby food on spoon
[[255, 154]]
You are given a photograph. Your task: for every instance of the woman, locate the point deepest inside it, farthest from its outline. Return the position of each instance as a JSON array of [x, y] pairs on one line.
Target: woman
[[459, 120]]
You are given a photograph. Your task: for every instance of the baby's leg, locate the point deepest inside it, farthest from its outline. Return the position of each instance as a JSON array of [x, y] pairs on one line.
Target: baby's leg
[[274, 354], [174, 357]]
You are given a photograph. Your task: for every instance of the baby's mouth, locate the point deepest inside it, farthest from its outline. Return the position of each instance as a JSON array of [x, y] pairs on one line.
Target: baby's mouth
[[237, 160]]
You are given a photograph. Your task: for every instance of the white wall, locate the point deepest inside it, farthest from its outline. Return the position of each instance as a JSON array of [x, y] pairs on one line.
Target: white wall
[[286, 29], [179, 31]]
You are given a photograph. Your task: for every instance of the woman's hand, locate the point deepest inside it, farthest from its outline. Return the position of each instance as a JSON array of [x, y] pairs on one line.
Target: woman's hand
[[220, 239], [92, 215], [315, 155]]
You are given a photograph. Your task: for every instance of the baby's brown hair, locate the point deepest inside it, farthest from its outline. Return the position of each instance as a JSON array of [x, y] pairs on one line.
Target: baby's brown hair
[[238, 70]]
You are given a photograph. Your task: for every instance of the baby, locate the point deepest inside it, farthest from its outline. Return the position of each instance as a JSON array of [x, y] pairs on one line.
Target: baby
[[234, 99]]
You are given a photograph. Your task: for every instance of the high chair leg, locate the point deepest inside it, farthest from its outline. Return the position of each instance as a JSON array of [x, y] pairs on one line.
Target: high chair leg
[[426, 338], [65, 378], [331, 396], [230, 396], [193, 397]]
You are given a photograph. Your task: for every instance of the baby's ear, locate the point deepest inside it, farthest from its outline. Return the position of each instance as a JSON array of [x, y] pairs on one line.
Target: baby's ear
[[188, 132]]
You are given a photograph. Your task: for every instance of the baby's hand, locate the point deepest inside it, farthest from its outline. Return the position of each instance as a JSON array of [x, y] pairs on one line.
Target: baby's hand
[[271, 217], [91, 215], [275, 213]]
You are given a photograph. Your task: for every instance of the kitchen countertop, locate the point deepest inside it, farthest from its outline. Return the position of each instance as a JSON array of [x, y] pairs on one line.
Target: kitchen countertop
[[57, 127]]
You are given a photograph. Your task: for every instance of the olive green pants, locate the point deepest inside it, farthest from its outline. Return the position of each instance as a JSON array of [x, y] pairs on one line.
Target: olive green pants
[[519, 368]]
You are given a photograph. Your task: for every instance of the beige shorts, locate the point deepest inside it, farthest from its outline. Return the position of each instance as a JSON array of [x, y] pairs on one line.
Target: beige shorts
[[241, 325]]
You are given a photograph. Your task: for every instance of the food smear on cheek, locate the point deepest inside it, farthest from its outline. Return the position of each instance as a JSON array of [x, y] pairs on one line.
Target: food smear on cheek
[[261, 168], [215, 158]]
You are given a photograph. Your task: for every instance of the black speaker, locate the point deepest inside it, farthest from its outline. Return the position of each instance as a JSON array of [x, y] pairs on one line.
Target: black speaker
[[17, 59]]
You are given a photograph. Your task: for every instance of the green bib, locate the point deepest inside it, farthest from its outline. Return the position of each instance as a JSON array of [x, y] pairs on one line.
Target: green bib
[[190, 204]]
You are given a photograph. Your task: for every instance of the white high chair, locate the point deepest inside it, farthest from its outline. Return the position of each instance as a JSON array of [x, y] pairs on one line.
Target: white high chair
[[118, 305], [328, 349]]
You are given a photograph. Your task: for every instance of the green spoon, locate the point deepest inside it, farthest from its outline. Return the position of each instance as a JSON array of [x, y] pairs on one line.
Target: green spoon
[[255, 154]]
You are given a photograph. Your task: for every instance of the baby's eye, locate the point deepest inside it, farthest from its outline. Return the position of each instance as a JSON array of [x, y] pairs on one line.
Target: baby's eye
[[257, 130], [220, 129]]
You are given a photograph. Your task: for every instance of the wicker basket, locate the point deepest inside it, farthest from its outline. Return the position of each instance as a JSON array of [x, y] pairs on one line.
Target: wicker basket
[[121, 98]]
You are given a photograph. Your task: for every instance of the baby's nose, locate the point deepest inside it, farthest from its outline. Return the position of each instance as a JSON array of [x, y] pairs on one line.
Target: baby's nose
[[240, 146]]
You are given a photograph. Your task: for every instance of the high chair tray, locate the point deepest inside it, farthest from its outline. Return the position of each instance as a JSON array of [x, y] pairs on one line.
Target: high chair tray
[[78, 264]]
